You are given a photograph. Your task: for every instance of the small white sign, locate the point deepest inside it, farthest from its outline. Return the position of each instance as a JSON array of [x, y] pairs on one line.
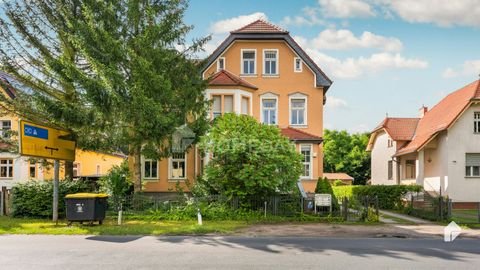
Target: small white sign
[[323, 200], [451, 231]]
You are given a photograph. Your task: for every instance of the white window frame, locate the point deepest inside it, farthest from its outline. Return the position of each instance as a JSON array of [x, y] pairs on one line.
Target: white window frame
[[269, 96], [76, 167], [254, 63], [476, 122], [218, 63], [219, 113], [170, 168], [305, 115], [310, 171], [277, 65], [2, 130], [295, 64], [143, 169], [9, 168], [30, 166], [249, 102], [470, 168]]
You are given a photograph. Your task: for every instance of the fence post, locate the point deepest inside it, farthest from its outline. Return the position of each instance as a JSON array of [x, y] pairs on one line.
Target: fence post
[[2, 201], [449, 209], [478, 211], [345, 208], [440, 199], [376, 205]]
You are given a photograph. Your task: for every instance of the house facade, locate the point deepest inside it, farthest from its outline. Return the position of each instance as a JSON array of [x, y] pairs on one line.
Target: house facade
[[259, 70], [440, 150], [15, 168]]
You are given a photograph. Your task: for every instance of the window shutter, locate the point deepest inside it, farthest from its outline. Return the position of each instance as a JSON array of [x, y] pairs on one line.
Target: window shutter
[[244, 105], [217, 104], [472, 159], [228, 104]]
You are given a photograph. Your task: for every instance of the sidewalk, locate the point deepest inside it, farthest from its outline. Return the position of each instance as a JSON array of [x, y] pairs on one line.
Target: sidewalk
[[402, 216]]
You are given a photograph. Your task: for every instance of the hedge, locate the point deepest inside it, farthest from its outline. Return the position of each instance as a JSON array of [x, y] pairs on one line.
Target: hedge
[[389, 197], [34, 198]]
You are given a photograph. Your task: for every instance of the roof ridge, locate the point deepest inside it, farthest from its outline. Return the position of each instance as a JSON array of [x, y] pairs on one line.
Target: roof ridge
[[276, 27]]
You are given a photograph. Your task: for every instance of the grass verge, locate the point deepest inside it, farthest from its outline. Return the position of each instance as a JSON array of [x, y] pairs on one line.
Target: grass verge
[[131, 227]]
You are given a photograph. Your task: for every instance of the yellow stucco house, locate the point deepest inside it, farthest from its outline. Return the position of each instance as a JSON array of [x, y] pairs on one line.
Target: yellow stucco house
[[15, 168], [259, 70]]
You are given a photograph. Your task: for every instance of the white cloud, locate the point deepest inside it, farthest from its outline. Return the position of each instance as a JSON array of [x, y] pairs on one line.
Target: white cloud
[[310, 17], [343, 39], [352, 68], [221, 29], [440, 12], [359, 128], [346, 8], [468, 68], [225, 26], [334, 103]]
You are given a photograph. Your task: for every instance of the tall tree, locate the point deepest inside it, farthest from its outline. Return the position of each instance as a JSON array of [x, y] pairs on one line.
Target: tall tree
[[131, 72], [344, 152]]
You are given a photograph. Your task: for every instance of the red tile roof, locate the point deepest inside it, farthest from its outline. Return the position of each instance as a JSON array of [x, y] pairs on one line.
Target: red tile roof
[[442, 116], [299, 135], [399, 129], [259, 26], [225, 78], [337, 176]]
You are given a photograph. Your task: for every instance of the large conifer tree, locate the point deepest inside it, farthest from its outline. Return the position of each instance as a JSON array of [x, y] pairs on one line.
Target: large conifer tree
[[109, 71]]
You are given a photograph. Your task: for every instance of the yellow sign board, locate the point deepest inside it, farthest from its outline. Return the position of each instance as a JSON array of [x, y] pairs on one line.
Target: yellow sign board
[[45, 142]]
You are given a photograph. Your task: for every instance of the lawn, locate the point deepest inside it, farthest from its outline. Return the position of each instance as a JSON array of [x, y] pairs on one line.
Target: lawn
[[131, 227], [465, 215]]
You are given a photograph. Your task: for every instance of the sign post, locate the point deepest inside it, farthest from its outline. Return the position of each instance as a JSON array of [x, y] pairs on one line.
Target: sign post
[[50, 143]]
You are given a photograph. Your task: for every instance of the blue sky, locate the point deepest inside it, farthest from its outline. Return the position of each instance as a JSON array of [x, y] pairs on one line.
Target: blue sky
[[384, 56]]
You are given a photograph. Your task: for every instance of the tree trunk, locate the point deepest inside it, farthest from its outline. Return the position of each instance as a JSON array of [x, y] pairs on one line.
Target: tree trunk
[[137, 169], [68, 169]]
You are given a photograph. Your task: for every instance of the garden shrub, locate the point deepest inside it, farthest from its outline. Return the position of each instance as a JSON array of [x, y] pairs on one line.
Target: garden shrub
[[34, 198], [324, 187], [389, 197]]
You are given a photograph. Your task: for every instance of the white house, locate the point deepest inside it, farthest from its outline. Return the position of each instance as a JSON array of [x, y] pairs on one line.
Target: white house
[[440, 150]]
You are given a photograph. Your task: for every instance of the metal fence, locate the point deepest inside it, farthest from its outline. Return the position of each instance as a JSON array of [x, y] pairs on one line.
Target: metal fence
[[279, 205], [465, 213], [426, 206]]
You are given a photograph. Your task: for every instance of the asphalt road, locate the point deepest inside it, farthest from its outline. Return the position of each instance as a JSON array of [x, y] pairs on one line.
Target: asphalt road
[[107, 252]]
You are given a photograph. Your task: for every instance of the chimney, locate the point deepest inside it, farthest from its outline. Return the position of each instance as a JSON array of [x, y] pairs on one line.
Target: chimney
[[423, 110]]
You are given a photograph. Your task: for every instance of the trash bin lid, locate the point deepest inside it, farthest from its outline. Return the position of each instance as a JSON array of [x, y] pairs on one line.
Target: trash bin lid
[[86, 195]]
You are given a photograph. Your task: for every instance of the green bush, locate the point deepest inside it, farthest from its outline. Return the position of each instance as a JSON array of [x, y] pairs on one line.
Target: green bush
[[34, 199], [324, 187], [389, 197], [117, 184], [209, 211]]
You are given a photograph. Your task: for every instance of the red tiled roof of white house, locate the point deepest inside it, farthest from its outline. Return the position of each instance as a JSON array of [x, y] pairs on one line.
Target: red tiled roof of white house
[[399, 129], [259, 26], [225, 78], [442, 116]]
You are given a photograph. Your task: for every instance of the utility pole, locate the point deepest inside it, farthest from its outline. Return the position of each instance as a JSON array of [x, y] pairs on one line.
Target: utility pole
[[56, 172]]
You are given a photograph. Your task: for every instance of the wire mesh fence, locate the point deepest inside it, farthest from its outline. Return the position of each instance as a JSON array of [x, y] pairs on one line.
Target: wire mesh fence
[[279, 205]]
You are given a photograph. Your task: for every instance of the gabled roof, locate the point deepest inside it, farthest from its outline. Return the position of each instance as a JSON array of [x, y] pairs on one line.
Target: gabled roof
[[259, 26], [337, 176], [225, 78], [262, 30], [442, 116], [399, 129], [299, 135]]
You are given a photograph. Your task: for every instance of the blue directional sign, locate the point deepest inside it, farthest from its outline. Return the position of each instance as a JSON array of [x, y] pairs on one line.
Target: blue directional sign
[[36, 132]]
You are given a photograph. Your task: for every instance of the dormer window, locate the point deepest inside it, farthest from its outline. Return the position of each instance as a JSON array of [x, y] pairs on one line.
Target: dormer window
[[297, 64], [221, 63], [270, 66], [248, 62]]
